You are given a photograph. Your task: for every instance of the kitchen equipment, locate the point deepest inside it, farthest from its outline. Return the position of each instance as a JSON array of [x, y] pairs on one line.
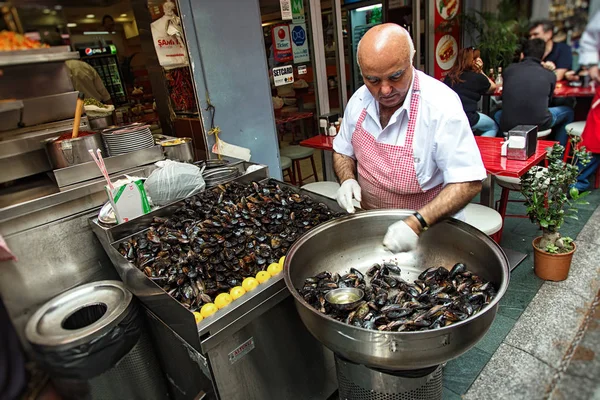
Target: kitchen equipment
[[522, 142], [127, 139], [78, 112], [217, 176], [93, 342], [355, 241], [11, 112], [344, 298], [179, 149], [97, 123], [68, 152]]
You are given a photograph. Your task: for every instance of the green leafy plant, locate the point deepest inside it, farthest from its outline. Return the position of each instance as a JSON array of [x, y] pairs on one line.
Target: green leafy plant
[[496, 35], [550, 196]]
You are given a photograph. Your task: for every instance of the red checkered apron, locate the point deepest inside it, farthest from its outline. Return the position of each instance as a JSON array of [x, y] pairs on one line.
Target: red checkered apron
[[386, 173]]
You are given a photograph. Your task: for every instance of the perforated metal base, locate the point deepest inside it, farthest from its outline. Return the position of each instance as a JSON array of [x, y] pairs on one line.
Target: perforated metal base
[[357, 382]]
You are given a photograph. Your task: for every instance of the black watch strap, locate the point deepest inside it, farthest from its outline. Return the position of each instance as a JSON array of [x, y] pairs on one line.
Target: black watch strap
[[421, 220]]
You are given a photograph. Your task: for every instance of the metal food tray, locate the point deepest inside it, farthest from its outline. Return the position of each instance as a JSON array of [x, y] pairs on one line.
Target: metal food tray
[[205, 335], [37, 56], [89, 170]]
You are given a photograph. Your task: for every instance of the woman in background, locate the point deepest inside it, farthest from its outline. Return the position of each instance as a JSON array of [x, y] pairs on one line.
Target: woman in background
[[467, 79]]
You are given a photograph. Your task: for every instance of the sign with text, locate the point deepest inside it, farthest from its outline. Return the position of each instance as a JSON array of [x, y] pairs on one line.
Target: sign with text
[[282, 45], [298, 11], [283, 75], [299, 43], [446, 36], [302, 70], [286, 9]]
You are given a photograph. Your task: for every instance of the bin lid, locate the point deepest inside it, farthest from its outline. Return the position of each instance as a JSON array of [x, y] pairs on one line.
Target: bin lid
[[79, 315]]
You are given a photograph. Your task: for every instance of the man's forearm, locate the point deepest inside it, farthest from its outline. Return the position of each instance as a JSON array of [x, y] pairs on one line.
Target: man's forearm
[[344, 167], [453, 198], [560, 73]]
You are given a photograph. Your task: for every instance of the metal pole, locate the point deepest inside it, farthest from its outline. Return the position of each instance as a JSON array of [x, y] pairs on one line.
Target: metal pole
[[341, 63], [319, 65]]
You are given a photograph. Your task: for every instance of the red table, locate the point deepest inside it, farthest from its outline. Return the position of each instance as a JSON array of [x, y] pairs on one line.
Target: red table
[[563, 89], [495, 164], [292, 117], [320, 142]]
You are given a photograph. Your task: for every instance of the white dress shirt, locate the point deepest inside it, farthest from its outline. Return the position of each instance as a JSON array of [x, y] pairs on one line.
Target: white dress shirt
[[589, 45], [444, 147]]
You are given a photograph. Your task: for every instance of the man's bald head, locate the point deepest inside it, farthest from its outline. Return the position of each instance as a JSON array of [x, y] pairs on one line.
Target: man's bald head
[[382, 41], [385, 56]]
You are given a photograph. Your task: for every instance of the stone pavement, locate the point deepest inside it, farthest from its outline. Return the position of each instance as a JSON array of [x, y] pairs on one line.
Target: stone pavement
[[551, 353]]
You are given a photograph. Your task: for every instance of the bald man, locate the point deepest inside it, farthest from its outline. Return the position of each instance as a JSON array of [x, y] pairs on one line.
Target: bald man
[[407, 136]]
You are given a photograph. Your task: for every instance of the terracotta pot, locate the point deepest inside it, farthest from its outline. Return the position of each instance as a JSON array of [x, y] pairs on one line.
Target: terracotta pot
[[551, 267]]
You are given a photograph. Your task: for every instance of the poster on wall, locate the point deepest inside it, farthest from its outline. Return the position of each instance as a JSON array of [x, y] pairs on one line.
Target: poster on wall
[[447, 35], [286, 9], [282, 45], [298, 11], [283, 75], [299, 43]]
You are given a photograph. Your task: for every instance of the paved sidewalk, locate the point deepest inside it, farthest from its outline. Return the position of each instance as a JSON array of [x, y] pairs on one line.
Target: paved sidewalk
[[552, 350]]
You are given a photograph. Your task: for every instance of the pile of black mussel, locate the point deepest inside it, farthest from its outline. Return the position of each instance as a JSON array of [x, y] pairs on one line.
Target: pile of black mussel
[[438, 297], [221, 236]]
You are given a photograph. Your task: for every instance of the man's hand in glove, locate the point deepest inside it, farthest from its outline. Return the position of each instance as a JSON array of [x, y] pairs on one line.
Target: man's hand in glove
[[400, 237], [349, 190]]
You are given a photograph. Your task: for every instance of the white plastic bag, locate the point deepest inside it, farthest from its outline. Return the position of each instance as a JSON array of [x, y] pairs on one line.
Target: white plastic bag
[[173, 181]]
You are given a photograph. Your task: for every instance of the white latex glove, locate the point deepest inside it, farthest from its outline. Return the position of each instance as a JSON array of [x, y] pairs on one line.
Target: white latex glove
[[350, 189], [400, 237]]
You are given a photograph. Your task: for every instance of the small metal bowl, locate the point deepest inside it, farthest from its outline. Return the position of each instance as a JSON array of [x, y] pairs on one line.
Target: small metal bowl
[[344, 298]]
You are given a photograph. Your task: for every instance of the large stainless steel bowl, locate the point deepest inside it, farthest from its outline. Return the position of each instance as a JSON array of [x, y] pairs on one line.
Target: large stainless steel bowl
[[355, 241]]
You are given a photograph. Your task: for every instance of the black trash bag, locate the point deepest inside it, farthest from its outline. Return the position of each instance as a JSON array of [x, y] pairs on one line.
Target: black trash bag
[[88, 360]]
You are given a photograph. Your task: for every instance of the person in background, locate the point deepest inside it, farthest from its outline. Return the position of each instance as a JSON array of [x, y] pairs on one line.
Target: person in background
[[108, 23], [557, 56], [469, 81], [589, 51], [85, 79], [527, 92]]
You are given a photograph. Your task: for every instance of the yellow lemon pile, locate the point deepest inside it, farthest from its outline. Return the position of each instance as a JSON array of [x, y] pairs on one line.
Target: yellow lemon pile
[[248, 284]]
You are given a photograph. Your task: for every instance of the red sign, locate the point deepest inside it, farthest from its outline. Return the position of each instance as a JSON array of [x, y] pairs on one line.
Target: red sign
[[282, 45], [446, 37]]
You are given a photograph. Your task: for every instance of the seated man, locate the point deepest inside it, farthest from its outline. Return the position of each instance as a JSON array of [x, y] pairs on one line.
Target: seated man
[[527, 92], [557, 56]]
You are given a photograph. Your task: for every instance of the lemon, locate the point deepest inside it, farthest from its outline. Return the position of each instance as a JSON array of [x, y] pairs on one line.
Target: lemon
[[237, 292], [208, 309], [274, 269], [223, 300], [263, 276], [198, 317], [249, 284], [281, 261]]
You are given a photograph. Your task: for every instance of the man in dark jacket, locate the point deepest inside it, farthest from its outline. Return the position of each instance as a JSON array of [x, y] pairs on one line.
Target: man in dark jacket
[[527, 92], [557, 57]]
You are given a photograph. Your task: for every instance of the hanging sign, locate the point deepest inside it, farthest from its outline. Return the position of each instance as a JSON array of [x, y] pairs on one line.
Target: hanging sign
[[298, 11], [283, 75], [282, 45], [286, 9], [446, 37], [299, 43]]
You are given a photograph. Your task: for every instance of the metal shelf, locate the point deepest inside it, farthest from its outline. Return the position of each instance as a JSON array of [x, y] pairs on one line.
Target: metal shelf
[[37, 56]]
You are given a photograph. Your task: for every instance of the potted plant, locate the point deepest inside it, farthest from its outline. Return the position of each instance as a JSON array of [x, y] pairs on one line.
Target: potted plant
[[550, 198]]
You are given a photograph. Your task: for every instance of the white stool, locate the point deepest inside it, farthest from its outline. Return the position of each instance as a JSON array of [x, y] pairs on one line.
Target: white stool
[[575, 128], [542, 134], [507, 184], [486, 219], [286, 166], [327, 189]]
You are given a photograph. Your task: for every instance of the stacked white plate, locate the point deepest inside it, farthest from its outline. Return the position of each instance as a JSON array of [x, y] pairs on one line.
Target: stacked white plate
[[127, 139]]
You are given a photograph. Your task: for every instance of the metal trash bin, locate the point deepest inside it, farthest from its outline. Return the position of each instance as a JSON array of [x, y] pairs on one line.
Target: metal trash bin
[[92, 342]]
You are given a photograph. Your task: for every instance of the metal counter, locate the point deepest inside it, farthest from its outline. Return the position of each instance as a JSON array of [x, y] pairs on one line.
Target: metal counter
[[255, 348]]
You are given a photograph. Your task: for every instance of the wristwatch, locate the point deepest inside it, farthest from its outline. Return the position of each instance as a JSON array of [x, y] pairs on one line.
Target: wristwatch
[[421, 220]]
